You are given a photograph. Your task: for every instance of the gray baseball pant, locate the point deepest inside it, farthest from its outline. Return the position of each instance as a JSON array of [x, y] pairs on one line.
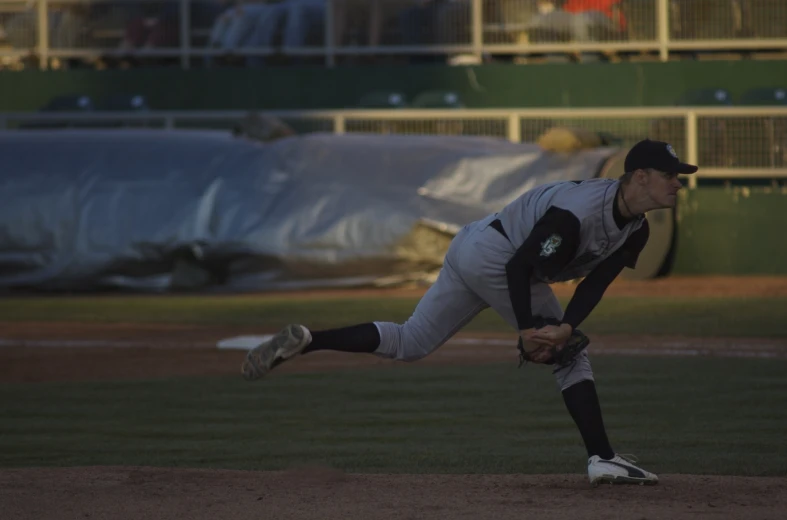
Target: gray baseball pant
[[473, 278]]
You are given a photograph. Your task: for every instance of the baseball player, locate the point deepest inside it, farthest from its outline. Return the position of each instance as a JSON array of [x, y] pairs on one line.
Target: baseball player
[[555, 232]]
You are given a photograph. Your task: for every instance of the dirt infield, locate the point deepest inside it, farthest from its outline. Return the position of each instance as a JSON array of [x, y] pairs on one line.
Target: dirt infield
[[40, 352], [115, 352], [324, 494]]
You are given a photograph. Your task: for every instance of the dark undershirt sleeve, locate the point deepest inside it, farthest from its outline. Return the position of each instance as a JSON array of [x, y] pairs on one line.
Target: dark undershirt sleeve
[[550, 246], [592, 288]]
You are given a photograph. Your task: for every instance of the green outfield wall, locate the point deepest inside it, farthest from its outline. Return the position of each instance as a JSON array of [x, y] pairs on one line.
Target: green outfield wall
[[734, 230], [547, 85]]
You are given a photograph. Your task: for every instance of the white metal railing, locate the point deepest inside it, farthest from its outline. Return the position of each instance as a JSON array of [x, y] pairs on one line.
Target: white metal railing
[[334, 29], [726, 142]]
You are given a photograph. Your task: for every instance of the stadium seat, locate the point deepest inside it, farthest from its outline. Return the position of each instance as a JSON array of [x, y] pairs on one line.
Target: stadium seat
[[383, 99], [124, 102], [64, 103], [705, 97], [764, 96], [438, 99], [69, 103]]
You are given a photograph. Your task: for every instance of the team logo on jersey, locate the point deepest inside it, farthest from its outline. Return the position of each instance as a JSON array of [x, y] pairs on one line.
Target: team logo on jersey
[[671, 150], [550, 245]]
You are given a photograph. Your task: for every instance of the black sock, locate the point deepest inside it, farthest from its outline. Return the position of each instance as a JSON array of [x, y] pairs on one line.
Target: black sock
[[582, 402], [357, 338]]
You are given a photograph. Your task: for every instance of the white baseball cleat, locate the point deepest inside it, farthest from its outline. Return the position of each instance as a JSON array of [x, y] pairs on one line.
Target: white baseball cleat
[[286, 344], [618, 470]]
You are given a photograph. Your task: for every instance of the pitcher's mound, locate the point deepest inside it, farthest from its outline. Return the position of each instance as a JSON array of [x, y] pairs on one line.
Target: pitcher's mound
[[126, 493]]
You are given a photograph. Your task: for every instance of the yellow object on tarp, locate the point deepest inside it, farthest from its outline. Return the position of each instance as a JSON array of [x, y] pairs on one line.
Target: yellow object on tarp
[[568, 139]]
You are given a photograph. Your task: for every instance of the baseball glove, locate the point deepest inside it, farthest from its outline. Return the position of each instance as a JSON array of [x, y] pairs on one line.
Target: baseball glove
[[564, 356]]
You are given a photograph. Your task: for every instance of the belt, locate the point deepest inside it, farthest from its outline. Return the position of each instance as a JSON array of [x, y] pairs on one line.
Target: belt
[[499, 227]]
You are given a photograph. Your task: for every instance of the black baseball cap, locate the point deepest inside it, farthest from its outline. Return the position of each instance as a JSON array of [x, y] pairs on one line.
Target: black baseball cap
[[657, 155]]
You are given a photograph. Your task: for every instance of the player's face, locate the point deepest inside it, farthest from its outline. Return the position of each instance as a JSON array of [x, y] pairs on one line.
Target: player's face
[[663, 188]]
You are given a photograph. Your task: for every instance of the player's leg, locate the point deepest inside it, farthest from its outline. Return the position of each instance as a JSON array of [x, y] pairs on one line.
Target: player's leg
[[578, 388], [577, 385], [485, 275], [446, 307]]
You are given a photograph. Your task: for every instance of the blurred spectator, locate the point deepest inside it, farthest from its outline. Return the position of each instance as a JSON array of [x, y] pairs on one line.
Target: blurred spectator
[[610, 8], [549, 24], [232, 25], [546, 6], [288, 23], [517, 12], [157, 25], [235, 23], [435, 22], [507, 22], [577, 20], [304, 24]]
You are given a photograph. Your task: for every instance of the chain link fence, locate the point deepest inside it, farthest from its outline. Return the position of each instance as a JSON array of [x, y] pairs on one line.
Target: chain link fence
[[488, 127], [727, 19], [723, 141], [742, 142], [255, 33]]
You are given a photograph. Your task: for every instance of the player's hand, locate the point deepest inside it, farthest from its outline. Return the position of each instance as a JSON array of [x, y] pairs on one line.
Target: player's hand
[[530, 336], [535, 346], [532, 344], [552, 335]]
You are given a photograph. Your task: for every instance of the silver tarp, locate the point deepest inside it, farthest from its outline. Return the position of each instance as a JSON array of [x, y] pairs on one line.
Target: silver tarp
[[156, 210]]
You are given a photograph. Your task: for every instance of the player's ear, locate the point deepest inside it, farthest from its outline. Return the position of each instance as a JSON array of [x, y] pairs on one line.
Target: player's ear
[[641, 176]]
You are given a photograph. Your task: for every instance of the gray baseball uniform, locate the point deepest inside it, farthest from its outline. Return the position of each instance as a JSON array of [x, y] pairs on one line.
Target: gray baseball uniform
[[555, 232]]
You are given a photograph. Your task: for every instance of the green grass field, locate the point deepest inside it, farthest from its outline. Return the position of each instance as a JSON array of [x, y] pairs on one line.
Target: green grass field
[[739, 317], [678, 415], [706, 416]]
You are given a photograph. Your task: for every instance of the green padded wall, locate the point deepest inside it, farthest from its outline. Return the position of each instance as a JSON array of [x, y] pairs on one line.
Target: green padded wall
[[547, 85], [735, 230]]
